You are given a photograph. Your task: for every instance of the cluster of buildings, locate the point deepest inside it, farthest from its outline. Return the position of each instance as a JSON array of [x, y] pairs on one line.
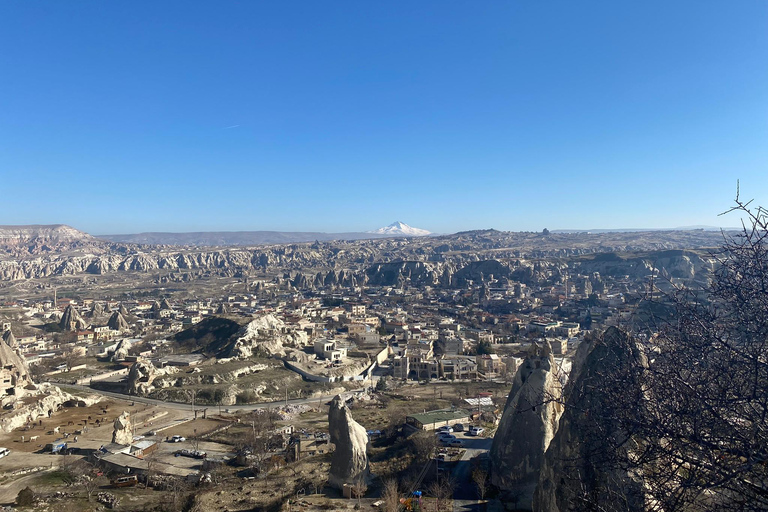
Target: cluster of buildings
[[430, 333]]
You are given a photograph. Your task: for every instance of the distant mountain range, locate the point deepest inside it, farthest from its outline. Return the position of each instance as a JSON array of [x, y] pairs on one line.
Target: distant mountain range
[[245, 238]]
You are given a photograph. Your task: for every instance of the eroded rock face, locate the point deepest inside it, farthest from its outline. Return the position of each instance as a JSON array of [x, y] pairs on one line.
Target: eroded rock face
[[582, 468], [71, 320], [121, 351], [122, 432], [117, 322], [14, 372], [142, 375], [48, 400], [527, 426], [266, 336], [349, 463]]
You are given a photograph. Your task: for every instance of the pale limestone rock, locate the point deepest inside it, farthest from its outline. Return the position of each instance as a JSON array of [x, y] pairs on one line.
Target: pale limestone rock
[[48, 400], [117, 322], [349, 463], [266, 336], [581, 460], [71, 320], [527, 426], [122, 431]]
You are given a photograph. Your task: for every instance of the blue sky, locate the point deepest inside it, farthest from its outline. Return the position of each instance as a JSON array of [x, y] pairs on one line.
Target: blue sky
[[120, 117]]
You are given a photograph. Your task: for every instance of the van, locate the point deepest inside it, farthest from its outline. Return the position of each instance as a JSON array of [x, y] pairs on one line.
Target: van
[[125, 481]]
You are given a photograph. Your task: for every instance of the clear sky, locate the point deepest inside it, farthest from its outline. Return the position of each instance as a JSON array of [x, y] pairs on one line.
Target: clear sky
[[128, 116]]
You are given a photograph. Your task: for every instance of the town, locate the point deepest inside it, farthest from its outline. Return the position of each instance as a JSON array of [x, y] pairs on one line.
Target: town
[[156, 389]]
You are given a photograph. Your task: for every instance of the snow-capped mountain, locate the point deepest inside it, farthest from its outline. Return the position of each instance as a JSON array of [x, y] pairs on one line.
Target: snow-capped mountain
[[400, 229]]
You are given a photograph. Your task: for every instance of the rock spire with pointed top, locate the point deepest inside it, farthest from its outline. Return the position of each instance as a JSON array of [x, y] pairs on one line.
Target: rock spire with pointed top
[[349, 463], [71, 320], [528, 424]]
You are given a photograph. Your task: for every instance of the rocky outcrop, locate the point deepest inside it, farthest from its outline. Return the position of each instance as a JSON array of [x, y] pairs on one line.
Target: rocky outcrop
[[9, 339], [71, 320], [97, 309], [122, 429], [349, 463], [121, 351], [588, 465], [14, 371], [142, 375], [527, 426], [117, 322], [47, 400], [265, 336]]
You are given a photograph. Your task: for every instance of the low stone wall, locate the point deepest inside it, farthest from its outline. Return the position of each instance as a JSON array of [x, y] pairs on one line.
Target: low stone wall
[[87, 380]]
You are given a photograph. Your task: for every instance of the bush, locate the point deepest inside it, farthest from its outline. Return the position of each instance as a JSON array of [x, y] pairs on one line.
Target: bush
[[25, 498]]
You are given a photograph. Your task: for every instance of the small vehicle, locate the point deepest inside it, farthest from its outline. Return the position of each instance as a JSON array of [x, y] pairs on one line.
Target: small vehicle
[[4, 452], [458, 427], [455, 443], [445, 428], [475, 431], [178, 439], [445, 435], [195, 454], [125, 481]]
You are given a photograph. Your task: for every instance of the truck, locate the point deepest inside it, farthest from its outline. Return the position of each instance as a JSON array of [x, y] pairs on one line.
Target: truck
[[57, 446]]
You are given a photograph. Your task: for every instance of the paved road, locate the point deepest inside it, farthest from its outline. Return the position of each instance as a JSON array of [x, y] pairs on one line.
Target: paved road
[[465, 493], [188, 407]]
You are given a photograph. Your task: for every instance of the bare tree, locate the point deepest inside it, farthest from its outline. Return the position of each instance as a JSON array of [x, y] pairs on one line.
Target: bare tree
[[709, 377], [424, 444], [683, 416], [480, 478], [442, 490], [360, 488], [391, 496]]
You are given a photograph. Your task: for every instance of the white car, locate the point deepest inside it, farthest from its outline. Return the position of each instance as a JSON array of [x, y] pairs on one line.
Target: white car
[[178, 439], [445, 428], [475, 431], [4, 452]]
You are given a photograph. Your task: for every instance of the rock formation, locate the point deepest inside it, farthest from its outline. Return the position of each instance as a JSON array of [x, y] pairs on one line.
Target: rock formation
[[48, 399], [588, 463], [265, 336], [223, 309], [117, 322], [527, 426], [349, 463], [122, 431], [97, 309], [123, 311], [140, 378], [9, 339], [165, 304], [121, 351], [14, 372], [71, 320]]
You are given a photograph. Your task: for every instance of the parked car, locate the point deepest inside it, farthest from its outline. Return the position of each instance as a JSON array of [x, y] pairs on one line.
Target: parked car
[[445, 428], [475, 431], [178, 439], [455, 443], [4, 452], [458, 427]]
